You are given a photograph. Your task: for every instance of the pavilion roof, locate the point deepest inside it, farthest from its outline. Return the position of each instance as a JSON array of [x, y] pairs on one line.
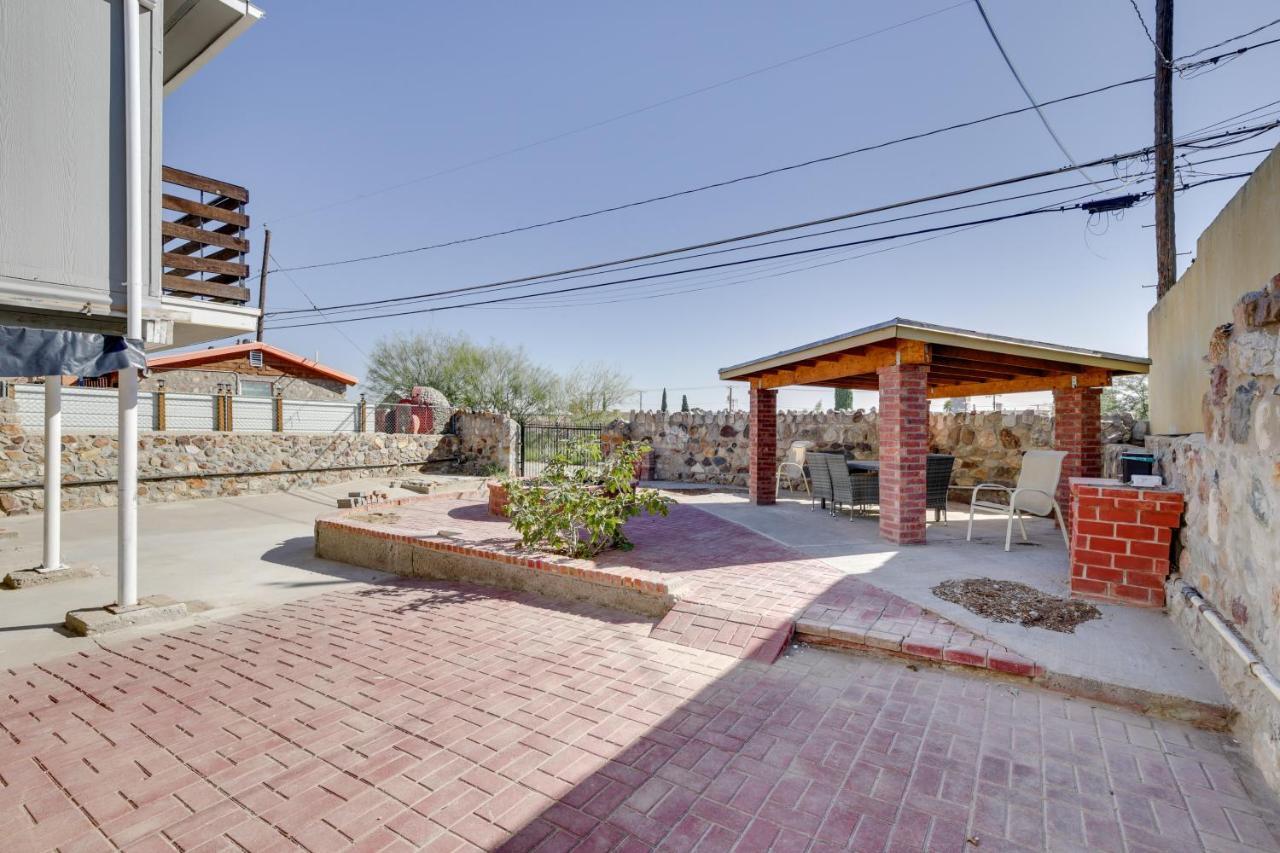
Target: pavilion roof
[[962, 362]]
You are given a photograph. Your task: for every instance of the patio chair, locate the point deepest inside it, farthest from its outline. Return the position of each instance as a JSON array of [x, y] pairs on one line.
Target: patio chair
[[819, 479], [937, 474], [852, 488], [1033, 495], [793, 466]]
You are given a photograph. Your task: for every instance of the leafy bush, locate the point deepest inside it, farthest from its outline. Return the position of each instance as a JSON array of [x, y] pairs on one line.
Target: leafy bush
[[580, 509]]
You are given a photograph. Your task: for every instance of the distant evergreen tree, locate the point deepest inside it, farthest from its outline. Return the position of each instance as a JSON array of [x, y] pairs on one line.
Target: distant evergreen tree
[[844, 399], [684, 402], [664, 399]]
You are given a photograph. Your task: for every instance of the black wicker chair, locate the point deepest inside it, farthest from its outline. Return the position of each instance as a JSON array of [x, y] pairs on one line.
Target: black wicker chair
[[937, 483], [852, 489], [819, 479]]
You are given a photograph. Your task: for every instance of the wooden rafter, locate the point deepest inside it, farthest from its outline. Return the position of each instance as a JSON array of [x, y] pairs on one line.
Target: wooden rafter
[[1086, 379]]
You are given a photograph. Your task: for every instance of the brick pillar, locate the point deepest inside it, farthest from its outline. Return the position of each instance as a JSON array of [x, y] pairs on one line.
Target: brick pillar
[[763, 464], [1077, 429], [903, 421]]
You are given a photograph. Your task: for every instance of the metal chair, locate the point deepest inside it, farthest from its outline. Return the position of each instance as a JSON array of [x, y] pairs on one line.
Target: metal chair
[[937, 474], [1033, 495], [793, 466]]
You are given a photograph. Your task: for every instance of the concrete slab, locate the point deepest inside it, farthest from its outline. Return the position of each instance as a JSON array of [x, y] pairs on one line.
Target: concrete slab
[[151, 610], [1128, 647], [234, 554], [27, 578]]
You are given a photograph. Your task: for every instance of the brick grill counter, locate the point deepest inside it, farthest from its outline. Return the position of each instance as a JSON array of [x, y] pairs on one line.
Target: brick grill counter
[[1121, 540]]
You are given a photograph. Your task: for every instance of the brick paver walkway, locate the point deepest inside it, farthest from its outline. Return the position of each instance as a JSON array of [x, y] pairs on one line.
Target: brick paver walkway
[[739, 592], [435, 716]]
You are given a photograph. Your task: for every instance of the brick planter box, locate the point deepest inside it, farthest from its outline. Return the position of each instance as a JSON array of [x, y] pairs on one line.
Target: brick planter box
[[1120, 540], [498, 499]]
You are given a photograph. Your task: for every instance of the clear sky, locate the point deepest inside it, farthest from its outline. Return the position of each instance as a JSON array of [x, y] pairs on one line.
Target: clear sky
[[323, 101]]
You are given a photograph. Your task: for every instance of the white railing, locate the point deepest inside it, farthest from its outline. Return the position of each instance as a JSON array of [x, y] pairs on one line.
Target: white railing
[[93, 410]]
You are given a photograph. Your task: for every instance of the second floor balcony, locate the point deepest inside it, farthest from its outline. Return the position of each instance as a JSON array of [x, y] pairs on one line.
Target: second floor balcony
[[204, 238]]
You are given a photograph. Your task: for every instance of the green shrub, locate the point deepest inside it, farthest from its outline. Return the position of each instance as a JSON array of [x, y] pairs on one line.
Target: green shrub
[[580, 502]]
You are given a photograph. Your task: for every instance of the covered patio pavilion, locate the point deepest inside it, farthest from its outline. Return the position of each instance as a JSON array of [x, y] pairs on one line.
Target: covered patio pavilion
[[910, 363]]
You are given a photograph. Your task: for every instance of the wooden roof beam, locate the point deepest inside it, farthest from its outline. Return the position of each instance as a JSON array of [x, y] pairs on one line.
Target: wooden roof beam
[[845, 365], [994, 359], [1086, 379]]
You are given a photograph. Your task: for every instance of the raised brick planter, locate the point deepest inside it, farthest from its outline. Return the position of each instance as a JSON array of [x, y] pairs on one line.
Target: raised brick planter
[[1120, 540]]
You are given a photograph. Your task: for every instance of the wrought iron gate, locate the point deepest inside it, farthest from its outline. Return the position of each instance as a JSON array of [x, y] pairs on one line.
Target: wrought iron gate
[[539, 442]]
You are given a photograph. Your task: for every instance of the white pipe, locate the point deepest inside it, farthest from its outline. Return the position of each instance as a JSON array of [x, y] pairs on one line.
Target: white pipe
[[1256, 666], [52, 474], [127, 477]]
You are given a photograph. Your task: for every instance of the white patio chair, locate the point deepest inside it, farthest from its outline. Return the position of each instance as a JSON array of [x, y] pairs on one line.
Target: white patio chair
[[793, 466], [1033, 495]]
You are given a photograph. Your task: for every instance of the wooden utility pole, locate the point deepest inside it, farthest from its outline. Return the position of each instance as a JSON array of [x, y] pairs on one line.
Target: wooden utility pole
[[262, 280], [1166, 244]]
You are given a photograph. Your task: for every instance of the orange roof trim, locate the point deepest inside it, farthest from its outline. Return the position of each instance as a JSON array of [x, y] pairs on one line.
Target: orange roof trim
[[204, 356]]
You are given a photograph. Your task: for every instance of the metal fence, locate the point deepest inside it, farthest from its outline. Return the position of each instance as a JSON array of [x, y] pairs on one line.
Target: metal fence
[[541, 442]]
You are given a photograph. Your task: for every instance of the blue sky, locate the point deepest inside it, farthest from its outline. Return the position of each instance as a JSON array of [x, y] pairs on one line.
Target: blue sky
[[324, 101]]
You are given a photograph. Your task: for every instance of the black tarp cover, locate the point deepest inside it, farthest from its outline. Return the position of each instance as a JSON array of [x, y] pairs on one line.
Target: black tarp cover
[[49, 352]]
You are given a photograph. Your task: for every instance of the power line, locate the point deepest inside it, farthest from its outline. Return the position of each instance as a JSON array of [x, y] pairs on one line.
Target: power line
[[1004, 54], [317, 308], [794, 253], [620, 116], [748, 177], [1208, 48], [1150, 38], [524, 280]]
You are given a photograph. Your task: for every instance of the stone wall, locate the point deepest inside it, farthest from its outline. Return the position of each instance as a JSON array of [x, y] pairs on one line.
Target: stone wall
[[183, 466], [711, 447], [488, 442], [1230, 474], [207, 381]]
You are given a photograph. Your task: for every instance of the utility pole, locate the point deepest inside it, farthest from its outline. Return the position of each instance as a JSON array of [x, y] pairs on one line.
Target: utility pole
[[262, 280], [1166, 244]]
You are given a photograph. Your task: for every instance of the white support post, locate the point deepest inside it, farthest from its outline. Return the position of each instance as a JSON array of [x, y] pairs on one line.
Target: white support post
[[127, 476], [52, 475]]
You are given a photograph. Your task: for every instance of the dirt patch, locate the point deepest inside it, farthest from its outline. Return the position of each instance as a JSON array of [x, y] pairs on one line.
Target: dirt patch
[[376, 517], [1010, 601]]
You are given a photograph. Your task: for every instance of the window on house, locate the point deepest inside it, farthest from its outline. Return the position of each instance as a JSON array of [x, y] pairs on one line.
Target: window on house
[[255, 388]]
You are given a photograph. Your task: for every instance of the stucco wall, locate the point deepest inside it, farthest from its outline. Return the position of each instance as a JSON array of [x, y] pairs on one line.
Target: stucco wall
[[1237, 253], [1230, 541]]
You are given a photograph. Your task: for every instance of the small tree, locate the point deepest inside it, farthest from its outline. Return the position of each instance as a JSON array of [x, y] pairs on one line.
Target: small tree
[[1127, 395], [664, 400], [844, 400], [684, 402], [581, 501], [592, 390]]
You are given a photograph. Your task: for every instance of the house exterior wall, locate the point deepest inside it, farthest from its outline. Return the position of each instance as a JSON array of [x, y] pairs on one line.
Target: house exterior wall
[[1237, 253], [62, 181], [205, 379]]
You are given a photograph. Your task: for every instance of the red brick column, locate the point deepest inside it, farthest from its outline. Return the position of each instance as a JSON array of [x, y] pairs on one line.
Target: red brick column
[[763, 453], [903, 422], [1120, 541], [1077, 429]]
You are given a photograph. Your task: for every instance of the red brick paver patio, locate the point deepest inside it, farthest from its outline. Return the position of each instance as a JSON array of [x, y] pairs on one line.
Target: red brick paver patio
[[425, 715], [737, 592]]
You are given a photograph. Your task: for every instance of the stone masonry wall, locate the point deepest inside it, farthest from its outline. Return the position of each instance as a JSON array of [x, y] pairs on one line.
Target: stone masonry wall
[[711, 447], [488, 442], [220, 464], [1230, 547]]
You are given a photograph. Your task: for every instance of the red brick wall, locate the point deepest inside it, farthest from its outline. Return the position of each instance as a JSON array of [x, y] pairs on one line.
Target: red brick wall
[[763, 461], [1120, 542], [1077, 429], [904, 443]]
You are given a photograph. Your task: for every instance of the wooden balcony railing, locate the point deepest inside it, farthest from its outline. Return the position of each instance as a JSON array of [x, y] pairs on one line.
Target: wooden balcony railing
[[205, 246]]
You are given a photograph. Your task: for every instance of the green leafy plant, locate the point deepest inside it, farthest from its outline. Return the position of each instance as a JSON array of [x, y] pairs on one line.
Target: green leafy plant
[[581, 501]]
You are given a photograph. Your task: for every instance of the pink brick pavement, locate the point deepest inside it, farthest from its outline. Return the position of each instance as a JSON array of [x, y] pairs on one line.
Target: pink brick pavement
[[738, 592], [421, 715]]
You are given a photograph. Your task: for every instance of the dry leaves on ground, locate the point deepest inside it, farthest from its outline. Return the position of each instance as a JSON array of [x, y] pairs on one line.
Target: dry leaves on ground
[[1010, 601]]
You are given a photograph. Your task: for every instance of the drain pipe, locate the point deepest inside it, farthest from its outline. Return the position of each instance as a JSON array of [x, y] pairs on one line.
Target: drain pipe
[[1253, 663]]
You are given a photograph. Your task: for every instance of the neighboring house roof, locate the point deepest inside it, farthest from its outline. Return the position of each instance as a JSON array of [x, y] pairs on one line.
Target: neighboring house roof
[[205, 356]]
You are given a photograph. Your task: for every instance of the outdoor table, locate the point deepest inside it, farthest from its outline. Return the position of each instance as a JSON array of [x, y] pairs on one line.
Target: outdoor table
[[863, 465]]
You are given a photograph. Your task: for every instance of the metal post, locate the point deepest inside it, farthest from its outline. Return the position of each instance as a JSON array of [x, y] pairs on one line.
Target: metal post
[[52, 475], [127, 477]]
